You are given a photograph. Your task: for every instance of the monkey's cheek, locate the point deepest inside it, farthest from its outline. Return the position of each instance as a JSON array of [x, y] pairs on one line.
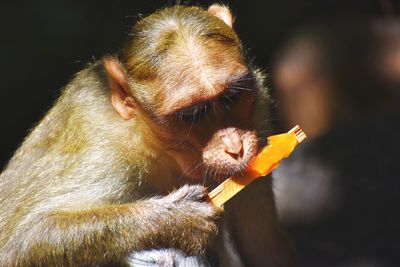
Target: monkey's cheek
[[191, 166], [194, 171]]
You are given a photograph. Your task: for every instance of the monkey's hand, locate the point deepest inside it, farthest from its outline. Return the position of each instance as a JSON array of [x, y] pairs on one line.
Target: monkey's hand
[[183, 220]]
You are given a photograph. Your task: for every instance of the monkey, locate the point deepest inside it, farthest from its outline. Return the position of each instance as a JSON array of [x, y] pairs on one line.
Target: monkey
[[121, 163]]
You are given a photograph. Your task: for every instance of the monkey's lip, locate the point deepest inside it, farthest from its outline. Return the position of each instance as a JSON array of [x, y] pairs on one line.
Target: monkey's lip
[[213, 175], [214, 182], [218, 170], [228, 171]]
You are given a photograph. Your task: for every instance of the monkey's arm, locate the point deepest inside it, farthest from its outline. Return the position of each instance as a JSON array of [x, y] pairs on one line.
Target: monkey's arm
[[102, 235]]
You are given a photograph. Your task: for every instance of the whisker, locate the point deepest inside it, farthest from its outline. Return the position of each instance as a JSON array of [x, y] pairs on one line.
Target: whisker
[[204, 180], [241, 88], [216, 175], [241, 171], [191, 170], [245, 78], [229, 99], [205, 175]]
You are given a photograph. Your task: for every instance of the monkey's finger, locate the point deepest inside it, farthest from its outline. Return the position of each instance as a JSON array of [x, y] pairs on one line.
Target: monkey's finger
[[189, 192]]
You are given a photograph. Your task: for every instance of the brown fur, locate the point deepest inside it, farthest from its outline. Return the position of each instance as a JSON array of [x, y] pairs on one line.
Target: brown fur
[[77, 191]]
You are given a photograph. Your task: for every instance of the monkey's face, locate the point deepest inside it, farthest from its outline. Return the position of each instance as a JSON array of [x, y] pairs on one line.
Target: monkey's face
[[202, 104], [196, 89], [206, 124]]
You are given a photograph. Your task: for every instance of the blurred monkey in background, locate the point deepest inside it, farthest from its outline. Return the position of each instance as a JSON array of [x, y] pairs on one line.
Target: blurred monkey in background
[[337, 194]]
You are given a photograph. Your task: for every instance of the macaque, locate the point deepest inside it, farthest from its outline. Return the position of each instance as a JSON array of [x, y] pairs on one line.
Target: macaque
[[122, 162]]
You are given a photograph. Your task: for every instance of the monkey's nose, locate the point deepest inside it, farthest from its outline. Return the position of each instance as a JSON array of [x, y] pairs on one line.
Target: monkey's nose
[[233, 146]]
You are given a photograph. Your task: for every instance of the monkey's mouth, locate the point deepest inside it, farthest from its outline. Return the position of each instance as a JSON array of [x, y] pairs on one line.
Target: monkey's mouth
[[225, 167], [212, 175], [220, 171], [225, 173], [229, 170], [216, 164]]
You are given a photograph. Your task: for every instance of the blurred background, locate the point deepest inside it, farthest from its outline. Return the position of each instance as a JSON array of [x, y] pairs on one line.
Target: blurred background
[[334, 69]]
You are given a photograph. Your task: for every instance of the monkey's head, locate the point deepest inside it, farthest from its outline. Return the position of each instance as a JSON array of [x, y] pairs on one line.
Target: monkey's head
[[182, 71]]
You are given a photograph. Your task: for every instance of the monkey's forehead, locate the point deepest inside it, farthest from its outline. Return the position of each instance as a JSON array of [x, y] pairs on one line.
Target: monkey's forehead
[[206, 85], [194, 72]]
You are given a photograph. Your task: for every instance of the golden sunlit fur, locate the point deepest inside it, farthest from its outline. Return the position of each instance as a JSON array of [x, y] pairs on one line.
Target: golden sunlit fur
[[94, 181]]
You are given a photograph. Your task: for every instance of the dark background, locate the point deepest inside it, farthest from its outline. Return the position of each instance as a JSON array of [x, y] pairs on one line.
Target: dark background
[[43, 43]]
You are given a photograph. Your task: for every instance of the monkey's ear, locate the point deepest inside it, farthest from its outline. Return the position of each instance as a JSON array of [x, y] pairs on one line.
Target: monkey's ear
[[121, 97], [222, 12]]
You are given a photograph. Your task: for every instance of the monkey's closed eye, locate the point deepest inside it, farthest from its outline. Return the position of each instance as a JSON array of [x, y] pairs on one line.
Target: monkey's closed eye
[[229, 98], [244, 84], [193, 113]]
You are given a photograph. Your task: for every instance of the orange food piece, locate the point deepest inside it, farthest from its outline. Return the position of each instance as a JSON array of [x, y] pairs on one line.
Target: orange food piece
[[279, 147]]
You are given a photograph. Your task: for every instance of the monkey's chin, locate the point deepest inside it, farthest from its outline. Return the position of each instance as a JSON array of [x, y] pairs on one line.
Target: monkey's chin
[[213, 175], [206, 173], [228, 171]]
